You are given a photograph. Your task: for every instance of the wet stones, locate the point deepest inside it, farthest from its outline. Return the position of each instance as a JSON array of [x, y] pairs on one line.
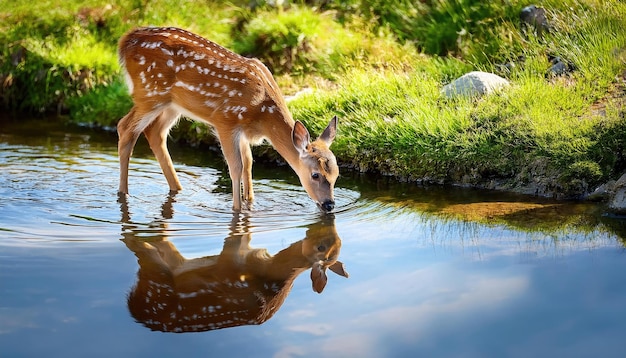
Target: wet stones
[[616, 192], [613, 193]]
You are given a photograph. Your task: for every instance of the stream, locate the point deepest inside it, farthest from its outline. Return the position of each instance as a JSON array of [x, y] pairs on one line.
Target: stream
[[433, 271]]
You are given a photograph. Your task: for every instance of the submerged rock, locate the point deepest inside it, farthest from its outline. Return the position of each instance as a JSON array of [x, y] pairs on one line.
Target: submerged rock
[[474, 84]]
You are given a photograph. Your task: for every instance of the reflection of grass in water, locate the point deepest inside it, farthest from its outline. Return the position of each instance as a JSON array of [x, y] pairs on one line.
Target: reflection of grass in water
[[491, 210], [530, 216], [534, 229], [548, 217]]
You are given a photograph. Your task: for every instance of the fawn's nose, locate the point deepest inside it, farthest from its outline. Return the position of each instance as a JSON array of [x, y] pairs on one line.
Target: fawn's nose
[[328, 205]]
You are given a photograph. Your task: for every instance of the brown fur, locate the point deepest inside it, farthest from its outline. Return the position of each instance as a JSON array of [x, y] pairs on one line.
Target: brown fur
[[172, 72]]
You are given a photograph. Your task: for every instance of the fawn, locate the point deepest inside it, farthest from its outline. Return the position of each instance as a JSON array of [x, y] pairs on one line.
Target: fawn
[[172, 72]]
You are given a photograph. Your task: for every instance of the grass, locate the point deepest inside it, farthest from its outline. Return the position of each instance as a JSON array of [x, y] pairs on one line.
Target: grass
[[379, 66]]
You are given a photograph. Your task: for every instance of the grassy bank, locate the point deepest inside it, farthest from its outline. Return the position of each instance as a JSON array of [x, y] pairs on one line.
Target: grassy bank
[[380, 67]]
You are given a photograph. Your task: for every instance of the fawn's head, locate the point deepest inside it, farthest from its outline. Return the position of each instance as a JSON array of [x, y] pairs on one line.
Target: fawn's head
[[321, 247], [319, 169]]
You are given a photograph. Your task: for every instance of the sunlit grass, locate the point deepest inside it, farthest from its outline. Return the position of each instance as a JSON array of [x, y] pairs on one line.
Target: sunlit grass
[[398, 123], [379, 66], [79, 49]]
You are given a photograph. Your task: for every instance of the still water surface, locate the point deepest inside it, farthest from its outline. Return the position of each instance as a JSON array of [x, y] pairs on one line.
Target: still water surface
[[434, 272]]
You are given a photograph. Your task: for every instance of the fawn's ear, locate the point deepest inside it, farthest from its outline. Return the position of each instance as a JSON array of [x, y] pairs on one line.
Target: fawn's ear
[[300, 137], [339, 269], [318, 277], [328, 135]]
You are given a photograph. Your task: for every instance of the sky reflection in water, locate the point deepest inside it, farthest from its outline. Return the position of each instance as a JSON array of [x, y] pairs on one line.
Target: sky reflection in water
[[423, 281]]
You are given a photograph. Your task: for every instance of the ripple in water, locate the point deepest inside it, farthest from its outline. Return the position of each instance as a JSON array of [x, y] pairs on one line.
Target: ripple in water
[[75, 186]]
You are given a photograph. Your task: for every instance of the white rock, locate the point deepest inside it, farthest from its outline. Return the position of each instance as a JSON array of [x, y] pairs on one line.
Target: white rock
[[474, 84]]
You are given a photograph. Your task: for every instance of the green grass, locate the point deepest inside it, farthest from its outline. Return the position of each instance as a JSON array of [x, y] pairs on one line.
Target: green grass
[[538, 127], [379, 66]]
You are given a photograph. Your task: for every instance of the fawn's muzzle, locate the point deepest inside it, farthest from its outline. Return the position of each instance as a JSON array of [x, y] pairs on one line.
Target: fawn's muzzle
[[328, 205]]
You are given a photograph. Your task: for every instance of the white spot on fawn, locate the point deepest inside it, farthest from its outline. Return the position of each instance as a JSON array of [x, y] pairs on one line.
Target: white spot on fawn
[[156, 92], [269, 109], [187, 86], [238, 110]]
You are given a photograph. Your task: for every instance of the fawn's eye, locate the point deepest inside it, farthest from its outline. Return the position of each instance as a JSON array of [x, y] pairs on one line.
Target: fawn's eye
[[315, 176]]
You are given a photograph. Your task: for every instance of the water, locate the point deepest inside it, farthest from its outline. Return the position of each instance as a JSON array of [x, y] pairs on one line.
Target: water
[[443, 272]]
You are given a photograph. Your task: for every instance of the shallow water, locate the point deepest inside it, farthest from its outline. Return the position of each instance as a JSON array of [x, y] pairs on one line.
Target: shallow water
[[444, 272]]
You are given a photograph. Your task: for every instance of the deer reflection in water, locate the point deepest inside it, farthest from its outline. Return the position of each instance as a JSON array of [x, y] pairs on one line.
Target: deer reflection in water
[[240, 286]]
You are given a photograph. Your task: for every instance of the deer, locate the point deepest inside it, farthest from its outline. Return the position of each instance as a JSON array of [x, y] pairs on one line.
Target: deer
[[171, 72], [240, 286]]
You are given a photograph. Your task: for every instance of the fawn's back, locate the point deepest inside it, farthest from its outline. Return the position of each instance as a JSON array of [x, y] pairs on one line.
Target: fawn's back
[[198, 77]]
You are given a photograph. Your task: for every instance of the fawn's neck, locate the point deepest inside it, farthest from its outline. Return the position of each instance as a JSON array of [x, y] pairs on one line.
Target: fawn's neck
[[286, 264], [279, 134]]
